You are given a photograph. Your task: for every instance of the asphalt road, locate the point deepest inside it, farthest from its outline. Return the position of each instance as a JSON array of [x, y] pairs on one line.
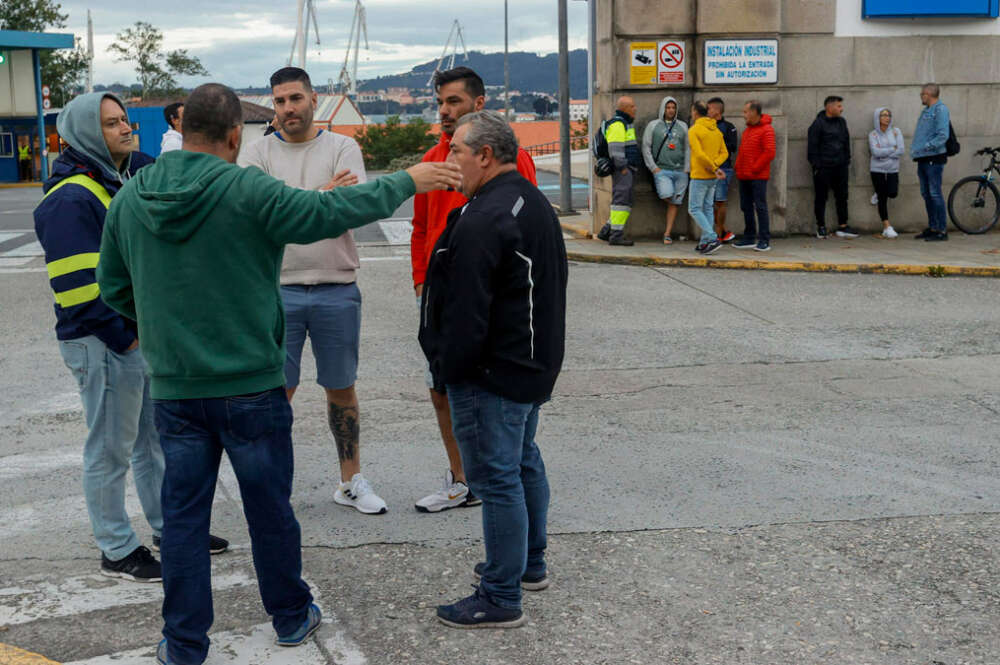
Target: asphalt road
[[747, 468]]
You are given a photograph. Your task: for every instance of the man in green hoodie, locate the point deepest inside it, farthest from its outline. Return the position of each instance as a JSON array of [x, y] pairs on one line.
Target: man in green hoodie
[[192, 251]]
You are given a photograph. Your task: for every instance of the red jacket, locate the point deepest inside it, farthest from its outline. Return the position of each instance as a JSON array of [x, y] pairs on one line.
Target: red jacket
[[430, 210], [757, 150]]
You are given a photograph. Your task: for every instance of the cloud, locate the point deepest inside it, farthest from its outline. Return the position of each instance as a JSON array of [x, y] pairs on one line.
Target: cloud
[[240, 43]]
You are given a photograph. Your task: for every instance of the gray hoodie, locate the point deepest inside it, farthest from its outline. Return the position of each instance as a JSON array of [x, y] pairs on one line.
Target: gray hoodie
[[81, 129], [656, 145], [886, 147]]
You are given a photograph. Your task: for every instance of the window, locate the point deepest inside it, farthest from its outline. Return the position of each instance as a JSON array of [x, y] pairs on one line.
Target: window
[[6, 144]]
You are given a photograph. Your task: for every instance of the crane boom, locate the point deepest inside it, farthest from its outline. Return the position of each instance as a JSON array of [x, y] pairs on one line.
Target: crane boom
[[454, 34]]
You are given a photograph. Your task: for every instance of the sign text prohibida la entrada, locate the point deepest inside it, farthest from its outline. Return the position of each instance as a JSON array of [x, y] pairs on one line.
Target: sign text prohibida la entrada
[[741, 61]]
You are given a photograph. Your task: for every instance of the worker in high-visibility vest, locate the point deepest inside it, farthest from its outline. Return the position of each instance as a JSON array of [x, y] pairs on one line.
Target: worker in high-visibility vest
[[624, 152], [24, 160], [99, 346]]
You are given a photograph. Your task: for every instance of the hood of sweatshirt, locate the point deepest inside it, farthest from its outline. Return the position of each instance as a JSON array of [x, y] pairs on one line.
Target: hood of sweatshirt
[[706, 122], [663, 107], [878, 127], [79, 123], [174, 196]]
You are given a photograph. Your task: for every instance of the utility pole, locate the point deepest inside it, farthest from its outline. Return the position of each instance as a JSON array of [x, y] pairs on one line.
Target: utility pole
[[565, 174], [506, 66], [300, 35], [90, 53], [591, 89]]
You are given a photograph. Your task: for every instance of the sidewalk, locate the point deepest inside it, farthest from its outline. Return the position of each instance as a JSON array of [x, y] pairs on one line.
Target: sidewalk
[[971, 256]]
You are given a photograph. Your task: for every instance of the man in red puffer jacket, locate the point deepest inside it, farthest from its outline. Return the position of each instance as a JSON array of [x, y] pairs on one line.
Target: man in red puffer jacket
[[753, 169]]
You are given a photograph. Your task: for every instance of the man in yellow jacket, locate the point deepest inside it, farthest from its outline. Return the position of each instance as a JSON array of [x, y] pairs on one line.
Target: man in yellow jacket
[[708, 153]]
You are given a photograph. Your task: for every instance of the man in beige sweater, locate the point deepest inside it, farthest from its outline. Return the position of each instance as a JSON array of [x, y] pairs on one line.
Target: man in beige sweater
[[319, 281]]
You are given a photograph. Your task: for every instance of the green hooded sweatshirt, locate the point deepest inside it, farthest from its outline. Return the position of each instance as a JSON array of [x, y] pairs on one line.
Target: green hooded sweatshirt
[[192, 250]]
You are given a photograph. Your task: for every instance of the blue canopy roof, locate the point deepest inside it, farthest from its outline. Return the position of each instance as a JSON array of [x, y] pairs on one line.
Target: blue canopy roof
[[15, 39]]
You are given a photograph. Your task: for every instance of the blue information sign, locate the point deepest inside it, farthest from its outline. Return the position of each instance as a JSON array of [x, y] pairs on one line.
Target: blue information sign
[[912, 8]]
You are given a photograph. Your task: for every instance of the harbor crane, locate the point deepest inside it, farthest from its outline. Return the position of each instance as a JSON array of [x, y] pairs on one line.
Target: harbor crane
[[456, 34], [306, 15], [359, 27]]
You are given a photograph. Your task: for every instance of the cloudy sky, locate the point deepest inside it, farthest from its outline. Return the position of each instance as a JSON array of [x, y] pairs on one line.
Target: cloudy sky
[[241, 43]]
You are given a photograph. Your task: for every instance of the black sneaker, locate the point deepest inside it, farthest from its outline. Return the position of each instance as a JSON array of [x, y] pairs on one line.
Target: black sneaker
[[711, 247], [618, 238], [923, 235], [937, 236], [846, 232], [605, 232], [216, 545], [139, 566], [700, 247], [477, 611], [821, 232], [528, 582], [744, 243]]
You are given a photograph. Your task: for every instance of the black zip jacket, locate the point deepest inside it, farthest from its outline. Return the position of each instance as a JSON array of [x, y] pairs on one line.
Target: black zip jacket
[[494, 301], [829, 142], [732, 138]]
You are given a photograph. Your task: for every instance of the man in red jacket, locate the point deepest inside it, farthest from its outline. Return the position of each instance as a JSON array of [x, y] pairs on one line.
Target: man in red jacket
[[459, 91], [753, 169]]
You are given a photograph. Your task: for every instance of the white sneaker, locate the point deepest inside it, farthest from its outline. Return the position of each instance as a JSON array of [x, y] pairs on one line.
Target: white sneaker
[[889, 232], [453, 494], [360, 495], [874, 199]]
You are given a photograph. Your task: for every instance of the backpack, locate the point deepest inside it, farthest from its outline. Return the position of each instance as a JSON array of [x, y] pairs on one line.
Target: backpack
[[952, 147], [603, 165]]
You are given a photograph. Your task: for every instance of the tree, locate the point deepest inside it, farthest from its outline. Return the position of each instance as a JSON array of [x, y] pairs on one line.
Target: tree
[[142, 45], [61, 70], [382, 143], [542, 106]]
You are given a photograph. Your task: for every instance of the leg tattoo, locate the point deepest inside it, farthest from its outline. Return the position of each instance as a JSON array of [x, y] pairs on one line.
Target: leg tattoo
[[345, 428]]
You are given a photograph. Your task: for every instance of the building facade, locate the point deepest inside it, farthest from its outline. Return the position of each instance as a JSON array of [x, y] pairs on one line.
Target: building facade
[[796, 52]]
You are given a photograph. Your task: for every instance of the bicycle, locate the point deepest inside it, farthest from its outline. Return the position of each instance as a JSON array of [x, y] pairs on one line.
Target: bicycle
[[974, 201]]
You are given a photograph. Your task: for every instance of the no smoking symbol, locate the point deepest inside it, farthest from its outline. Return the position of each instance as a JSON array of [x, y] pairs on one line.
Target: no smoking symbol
[[671, 56]]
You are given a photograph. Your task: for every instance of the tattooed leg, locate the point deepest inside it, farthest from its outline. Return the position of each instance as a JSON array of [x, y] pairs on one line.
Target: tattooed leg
[[342, 414]]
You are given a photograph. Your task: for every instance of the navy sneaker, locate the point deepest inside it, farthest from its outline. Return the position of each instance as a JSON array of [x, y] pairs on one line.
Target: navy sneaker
[[216, 545], [528, 582], [161, 654], [744, 243], [821, 232], [937, 236], [712, 247], [308, 627], [763, 246], [477, 611]]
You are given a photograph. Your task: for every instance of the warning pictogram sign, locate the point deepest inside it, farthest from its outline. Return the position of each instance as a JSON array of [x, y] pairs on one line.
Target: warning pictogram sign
[[670, 62]]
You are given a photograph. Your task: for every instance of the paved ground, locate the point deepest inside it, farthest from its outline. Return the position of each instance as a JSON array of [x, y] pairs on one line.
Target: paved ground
[[748, 468]]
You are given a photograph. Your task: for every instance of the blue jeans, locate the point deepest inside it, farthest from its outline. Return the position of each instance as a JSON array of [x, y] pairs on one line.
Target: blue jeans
[[753, 203], [256, 433], [701, 206], [671, 185], [722, 186], [930, 188], [114, 389], [504, 467]]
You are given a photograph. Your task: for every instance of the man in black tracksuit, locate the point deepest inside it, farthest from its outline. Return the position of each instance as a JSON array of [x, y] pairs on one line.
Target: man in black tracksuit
[[830, 157], [493, 328]]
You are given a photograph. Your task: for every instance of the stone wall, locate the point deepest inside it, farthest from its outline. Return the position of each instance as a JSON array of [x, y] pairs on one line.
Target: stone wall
[[866, 71]]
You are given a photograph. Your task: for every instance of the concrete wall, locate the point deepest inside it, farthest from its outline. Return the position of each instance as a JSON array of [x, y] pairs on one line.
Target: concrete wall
[[883, 68]]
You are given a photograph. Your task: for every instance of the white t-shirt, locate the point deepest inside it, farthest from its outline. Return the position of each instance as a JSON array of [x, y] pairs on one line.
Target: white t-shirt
[[310, 165], [171, 140]]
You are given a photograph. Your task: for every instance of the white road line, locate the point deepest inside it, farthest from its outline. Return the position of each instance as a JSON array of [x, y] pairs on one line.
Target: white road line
[[14, 262], [10, 235], [19, 466], [255, 646], [40, 599], [396, 231], [338, 644], [31, 249], [17, 212]]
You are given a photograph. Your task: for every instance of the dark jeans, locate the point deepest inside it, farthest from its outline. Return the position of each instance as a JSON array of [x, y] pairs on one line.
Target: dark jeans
[[753, 202], [24, 170], [886, 187], [255, 431], [504, 467], [825, 178], [930, 188]]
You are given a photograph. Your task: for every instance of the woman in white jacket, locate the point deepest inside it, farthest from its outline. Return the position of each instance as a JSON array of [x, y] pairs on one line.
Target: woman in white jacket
[[886, 146]]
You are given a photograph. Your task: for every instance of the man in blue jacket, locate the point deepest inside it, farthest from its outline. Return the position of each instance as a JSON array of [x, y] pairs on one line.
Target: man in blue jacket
[[493, 327], [99, 346], [929, 152]]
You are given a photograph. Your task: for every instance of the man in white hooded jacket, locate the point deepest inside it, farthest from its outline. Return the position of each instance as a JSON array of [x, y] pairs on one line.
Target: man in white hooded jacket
[[667, 155]]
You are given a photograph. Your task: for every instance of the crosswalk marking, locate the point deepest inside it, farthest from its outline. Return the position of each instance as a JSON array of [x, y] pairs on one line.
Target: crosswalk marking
[[396, 230]]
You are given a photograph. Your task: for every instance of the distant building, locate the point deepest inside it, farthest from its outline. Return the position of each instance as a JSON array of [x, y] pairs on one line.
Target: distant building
[[364, 97], [578, 109]]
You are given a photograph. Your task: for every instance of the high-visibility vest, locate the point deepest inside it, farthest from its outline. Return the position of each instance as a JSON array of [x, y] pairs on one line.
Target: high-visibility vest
[[24, 153]]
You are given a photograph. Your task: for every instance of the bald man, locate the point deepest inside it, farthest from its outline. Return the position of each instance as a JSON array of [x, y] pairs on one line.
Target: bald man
[[624, 152]]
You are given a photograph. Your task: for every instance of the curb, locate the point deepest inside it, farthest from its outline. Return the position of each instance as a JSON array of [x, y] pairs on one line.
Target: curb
[[789, 266], [19, 185], [578, 232]]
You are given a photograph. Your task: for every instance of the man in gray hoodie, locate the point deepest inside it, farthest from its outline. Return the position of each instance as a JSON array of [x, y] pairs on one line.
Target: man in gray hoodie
[[667, 155]]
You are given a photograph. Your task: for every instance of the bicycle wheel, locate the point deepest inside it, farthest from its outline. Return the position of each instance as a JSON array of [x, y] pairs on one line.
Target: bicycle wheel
[[974, 204]]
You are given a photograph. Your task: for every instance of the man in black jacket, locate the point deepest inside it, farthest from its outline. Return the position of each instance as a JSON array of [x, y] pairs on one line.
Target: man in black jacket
[[493, 328], [830, 157], [716, 111]]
